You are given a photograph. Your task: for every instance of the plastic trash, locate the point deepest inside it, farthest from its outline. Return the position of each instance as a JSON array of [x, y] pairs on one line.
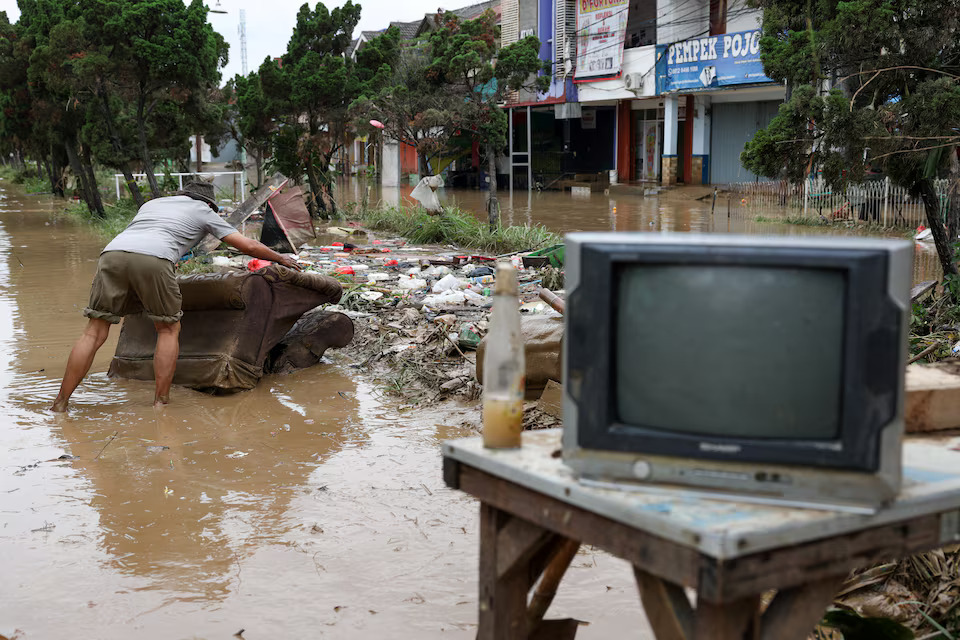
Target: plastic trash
[[479, 272], [345, 271], [360, 267], [411, 283], [256, 264], [371, 295], [474, 298], [448, 282], [483, 280], [469, 337], [378, 277], [425, 193], [445, 298]]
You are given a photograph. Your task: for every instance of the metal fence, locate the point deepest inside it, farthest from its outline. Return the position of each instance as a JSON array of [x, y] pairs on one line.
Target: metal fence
[[229, 185], [878, 202]]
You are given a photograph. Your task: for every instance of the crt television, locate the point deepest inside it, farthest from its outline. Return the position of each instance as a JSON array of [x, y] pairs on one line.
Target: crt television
[[738, 364]]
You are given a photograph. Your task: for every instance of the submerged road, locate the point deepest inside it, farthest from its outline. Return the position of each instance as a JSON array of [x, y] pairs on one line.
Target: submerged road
[[312, 506]]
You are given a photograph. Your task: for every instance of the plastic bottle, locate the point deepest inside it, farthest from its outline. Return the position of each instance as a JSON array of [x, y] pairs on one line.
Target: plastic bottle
[[482, 280], [503, 366]]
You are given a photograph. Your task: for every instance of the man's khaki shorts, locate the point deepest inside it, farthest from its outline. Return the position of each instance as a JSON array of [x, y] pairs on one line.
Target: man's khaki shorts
[[132, 282]]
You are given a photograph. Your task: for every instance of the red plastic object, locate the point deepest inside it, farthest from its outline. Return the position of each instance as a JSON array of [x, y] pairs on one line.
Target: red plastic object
[[378, 242], [256, 264], [345, 271], [391, 263], [385, 251], [336, 244]]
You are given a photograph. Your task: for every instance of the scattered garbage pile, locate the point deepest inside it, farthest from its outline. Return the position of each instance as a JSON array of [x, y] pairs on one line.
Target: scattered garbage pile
[[238, 325], [421, 313]]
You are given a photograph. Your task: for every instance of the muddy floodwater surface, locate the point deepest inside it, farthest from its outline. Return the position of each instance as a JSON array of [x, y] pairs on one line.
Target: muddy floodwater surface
[[312, 506]]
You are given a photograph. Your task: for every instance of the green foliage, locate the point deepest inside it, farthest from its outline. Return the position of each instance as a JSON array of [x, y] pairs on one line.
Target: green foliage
[[458, 228], [309, 94], [895, 94], [117, 216], [465, 58]]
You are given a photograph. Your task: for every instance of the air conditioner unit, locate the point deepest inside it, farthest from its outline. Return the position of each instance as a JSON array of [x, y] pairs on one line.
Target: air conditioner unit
[[633, 81]]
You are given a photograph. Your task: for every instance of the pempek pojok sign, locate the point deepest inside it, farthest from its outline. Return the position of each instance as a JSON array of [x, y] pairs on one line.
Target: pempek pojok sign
[[710, 62]]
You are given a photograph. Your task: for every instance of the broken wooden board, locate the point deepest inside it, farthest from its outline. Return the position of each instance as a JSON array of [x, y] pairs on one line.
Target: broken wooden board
[[247, 208], [932, 397], [551, 402]]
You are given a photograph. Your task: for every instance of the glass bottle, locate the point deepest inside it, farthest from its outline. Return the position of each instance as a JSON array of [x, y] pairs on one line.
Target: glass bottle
[[503, 365]]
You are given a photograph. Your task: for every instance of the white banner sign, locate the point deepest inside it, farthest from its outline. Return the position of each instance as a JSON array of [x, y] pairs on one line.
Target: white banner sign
[[601, 27]]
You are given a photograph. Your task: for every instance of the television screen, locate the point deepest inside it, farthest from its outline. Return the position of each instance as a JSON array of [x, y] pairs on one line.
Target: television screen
[[723, 338], [772, 365]]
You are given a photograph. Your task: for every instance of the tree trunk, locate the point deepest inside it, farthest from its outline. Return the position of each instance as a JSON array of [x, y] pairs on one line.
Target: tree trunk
[[83, 182], [493, 205], [931, 205], [422, 167], [87, 165], [145, 156], [147, 160], [953, 195], [118, 148], [315, 203]]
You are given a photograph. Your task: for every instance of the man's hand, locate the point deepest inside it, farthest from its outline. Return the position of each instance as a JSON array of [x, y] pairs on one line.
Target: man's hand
[[290, 263], [257, 250]]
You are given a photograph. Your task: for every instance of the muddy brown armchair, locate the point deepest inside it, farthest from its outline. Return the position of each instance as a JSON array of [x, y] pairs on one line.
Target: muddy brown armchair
[[230, 323]]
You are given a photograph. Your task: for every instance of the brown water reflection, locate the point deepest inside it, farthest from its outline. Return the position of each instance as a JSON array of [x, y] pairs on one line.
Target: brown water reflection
[[677, 211], [307, 507]]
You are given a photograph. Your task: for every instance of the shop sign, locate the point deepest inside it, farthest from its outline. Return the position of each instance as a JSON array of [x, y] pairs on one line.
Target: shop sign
[[601, 27], [711, 62]]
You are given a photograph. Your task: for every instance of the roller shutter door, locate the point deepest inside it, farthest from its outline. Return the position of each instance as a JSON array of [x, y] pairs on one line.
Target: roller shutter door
[[732, 125]]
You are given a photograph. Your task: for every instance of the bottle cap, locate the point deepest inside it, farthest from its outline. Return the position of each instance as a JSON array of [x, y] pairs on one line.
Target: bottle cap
[[506, 282]]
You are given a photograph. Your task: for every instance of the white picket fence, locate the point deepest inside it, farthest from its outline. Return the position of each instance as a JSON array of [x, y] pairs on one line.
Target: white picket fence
[[229, 185], [878, 202]]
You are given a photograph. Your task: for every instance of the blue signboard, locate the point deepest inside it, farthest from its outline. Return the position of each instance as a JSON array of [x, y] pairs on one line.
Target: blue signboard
[[711, 62]]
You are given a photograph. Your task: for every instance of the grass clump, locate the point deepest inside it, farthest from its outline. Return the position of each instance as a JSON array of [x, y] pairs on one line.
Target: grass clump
[[116, 216], [455, 227]]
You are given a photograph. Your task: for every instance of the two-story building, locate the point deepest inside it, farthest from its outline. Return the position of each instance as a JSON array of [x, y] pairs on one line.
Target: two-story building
[[651, 91]]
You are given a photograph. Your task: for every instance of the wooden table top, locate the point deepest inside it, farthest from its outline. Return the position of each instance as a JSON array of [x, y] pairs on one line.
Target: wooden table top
[[722, 528]]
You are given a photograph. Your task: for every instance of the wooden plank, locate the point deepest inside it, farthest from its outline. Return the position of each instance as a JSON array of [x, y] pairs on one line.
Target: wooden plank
[[503, 599], [565, 629], [247, 208], [795, 612], [669, 612], [552, 575], [727, 621], [655, 555], [813, 561], [932, 397], [517, 542], [551, 401], [451, 473], [922, 290]]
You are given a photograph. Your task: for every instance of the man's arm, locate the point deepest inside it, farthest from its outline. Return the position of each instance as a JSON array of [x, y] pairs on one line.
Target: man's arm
[[256, 249]]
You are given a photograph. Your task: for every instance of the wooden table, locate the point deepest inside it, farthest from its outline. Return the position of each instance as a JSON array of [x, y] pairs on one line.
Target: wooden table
[[534, 514]]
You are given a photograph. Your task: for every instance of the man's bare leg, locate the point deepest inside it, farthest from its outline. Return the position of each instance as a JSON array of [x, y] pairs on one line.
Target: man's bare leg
[[81, 357], [165, 359]]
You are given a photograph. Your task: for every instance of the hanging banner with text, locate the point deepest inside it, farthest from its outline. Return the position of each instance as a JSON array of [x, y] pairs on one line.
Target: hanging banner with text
[[601, 27], [711, 62]]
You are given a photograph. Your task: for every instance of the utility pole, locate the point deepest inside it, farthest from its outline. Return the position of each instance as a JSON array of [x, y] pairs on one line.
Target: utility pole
[[242, 30]]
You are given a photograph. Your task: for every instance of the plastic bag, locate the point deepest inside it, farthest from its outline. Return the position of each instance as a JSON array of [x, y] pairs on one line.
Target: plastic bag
[[425, 193]]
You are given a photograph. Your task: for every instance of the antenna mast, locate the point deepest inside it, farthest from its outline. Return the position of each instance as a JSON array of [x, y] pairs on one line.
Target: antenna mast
[[242, 30]]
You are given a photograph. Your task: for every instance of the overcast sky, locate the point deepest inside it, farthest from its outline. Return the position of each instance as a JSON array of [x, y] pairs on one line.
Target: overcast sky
[[270, 23]]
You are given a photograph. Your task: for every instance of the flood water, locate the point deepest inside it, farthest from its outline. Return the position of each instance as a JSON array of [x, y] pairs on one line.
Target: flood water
[[308, 507], [311, 506], [676, 210]]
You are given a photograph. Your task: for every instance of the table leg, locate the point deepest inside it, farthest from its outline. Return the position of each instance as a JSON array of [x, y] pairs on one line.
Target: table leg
[[794, 612], [666, 605], [727, 621]]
